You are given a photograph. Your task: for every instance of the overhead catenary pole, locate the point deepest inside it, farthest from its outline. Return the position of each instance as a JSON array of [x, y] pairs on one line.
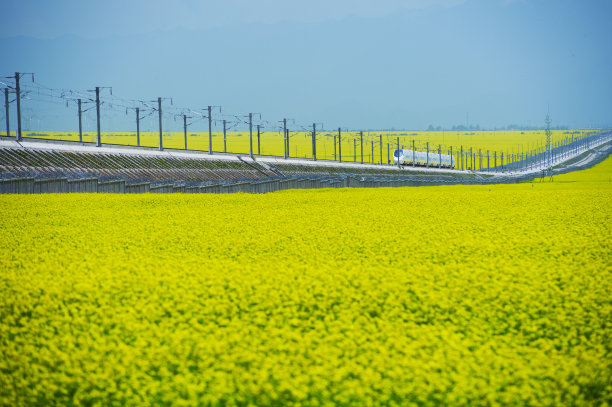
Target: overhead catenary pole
[[285, 138], [361, 145], [251, 134], [381, 149], [335, 149], [209, 129], [372, 155], [259, 139], [7, 111], [224, 136], [159, 109], [18, 92], [339, 144], [185, 129], [397, 151], [413, 154], [471, 160], [80, 121], [138, 126], [99, 135], [314, 142]]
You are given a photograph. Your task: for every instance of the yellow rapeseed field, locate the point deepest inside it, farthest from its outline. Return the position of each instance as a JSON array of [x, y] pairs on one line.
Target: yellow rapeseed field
[[453, 295], [511, 143]]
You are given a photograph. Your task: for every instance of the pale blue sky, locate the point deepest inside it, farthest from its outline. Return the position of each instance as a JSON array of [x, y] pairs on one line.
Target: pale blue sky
[[351, 63]]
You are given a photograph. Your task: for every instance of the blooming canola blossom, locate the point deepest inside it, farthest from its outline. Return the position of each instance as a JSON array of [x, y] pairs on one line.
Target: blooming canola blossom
[[450, 295]]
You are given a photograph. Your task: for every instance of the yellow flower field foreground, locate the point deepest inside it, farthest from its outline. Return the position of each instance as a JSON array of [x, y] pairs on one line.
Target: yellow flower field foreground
[[453, 295]]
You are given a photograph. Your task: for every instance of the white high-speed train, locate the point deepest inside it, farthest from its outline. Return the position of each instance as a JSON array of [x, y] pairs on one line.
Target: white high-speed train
[[408, 157]]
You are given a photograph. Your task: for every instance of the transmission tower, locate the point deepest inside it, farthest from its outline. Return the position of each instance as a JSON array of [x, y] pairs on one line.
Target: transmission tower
[[548, 142]]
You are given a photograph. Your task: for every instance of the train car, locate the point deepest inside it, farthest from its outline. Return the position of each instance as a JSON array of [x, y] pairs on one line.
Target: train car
[[420, 158]]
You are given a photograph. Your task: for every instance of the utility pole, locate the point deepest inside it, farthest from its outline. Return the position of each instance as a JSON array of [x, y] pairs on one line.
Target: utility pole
[[6, 108], [80, 122]]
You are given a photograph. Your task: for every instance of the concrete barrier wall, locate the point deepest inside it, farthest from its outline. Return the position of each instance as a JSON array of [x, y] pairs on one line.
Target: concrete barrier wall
[[63, 185], [49, 186], [111, 187], [162, 189], [137, 188], [17, 186], [83, 185]]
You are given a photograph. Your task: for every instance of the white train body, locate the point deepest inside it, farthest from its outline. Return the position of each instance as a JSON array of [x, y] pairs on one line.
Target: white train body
[[407, 157]]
